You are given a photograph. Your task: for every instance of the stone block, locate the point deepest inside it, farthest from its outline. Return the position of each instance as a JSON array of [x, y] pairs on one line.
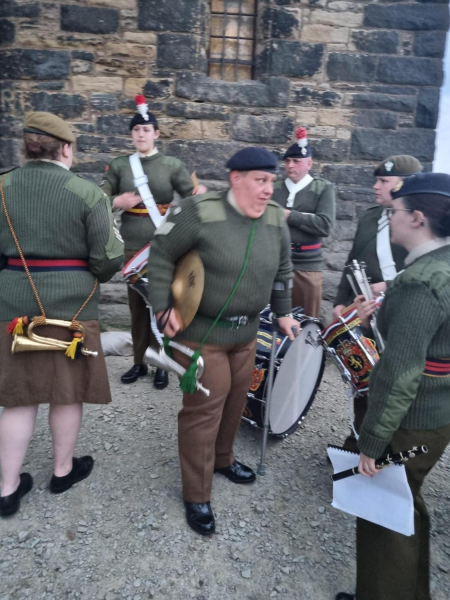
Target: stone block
[[375, 42], [136, 37], [83, 83], [331, 279], [262, 130], [7, 31], [281, 23], [384, 102], [336, 261], [356, 195], [9, 154], [351, 67], [81, 66], [34, 64], [343, 134], [177, 15], [337, 19], [130, 51], [272, 91], [374, 144], [92, 143], [349, 174], [67, 106], [334, 116], [206, 158], [82, 55], [115, 317], [410, 71], [113, 124], [120, 4], [345, 211], [413, 17], [394, 90], [215, 130], [10, 126], [176, 51], [306, 96], [324, 34], [10, 8], [343, 6], [87, 19], [180, 129], [158, 88], [428, 108], [192, 110], [292, 59], [330, 150], [378, 119], [134, 86], [430, 43], [322, 131]]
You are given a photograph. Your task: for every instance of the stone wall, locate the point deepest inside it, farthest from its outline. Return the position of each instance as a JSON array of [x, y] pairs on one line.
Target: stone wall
[[363, 76]]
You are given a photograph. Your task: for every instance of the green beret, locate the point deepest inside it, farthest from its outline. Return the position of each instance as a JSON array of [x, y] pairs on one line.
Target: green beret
[[398, 166], [44, 123]]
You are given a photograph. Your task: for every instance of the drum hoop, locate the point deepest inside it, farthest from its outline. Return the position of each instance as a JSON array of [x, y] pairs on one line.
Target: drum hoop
[[137, 269]]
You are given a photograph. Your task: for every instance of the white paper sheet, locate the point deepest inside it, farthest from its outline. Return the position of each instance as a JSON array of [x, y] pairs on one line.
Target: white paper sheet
[[385, 499]]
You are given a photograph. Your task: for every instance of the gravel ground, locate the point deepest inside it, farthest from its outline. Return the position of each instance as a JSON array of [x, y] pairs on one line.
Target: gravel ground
[[121, 534]]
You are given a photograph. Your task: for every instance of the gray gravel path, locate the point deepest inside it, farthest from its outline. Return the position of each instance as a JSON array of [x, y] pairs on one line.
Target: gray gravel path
[[121, 534]]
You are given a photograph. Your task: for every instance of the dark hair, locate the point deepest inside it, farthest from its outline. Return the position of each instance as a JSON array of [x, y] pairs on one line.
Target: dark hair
[[435, 207], [37, 146]]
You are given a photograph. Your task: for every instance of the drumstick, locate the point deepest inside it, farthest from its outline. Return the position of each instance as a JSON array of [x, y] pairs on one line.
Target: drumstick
[[194, 179]]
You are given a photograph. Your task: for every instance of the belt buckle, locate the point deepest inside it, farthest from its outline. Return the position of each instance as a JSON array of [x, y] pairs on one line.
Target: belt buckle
[[242, 321]]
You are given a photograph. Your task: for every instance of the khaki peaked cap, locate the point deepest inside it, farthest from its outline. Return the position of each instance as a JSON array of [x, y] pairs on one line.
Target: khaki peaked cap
[[398, 166], [45, 123]]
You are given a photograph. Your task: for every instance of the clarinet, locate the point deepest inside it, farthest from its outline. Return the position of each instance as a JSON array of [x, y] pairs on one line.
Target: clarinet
[[385, 461]]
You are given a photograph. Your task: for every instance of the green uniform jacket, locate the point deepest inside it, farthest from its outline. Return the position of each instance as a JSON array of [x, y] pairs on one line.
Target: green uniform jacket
[[364, 249], [212, 227], [165, 175], [56, 215], [312, 218], [414, 320]]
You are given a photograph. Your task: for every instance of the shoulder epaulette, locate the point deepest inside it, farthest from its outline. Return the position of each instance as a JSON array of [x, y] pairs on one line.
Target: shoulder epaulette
[[8, 170], [208, 196]]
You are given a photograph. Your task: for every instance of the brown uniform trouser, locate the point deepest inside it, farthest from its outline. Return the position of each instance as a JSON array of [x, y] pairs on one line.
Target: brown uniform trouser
[[360, 405], [207, 425], [307, 291], [141, 333], [391, 566]]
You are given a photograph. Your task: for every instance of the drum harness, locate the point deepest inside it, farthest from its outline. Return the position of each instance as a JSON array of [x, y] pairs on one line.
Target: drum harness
[[74, 349]]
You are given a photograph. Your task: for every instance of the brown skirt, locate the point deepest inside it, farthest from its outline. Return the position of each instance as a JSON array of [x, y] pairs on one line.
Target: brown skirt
[[50, 377]]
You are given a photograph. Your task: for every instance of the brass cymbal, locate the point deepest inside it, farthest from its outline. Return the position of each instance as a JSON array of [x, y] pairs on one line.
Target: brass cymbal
[[187, 287]]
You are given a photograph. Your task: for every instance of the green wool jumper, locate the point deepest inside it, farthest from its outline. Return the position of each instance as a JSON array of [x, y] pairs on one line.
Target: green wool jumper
[[209, 225], [312, 218], [165, 175], [414, 321], [364, 249], [56, 215]]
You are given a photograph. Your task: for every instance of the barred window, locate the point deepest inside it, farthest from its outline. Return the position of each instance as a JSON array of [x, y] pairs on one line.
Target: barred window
[[232, 41]]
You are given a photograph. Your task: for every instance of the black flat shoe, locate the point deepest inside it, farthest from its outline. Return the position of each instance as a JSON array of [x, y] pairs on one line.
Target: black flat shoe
[[161, 379], [345, 596], [81, 469], [134, 373], [238, 473], [9, 505], [200, 517]]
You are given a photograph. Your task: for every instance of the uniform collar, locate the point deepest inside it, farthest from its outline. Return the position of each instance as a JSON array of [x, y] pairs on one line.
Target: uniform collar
[[55, 162], [152, 153], [425, 248], [232, 200]]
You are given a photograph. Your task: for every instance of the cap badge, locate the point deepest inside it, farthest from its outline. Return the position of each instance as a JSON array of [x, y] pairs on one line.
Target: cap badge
[[389, 165]]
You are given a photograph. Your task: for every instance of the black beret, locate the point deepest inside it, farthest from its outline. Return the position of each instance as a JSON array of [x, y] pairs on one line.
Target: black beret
[[423, 183], [253, 159], [138, 119], [301, 148], [398, 166]]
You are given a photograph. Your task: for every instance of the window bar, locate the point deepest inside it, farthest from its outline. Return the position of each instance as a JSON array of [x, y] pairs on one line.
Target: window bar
[[238, 40], [225, 7]]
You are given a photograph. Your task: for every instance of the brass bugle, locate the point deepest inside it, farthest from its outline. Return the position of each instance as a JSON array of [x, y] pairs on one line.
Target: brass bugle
[[37, 343]]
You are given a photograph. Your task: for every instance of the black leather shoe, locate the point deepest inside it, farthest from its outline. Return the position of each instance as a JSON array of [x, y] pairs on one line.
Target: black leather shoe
[[200, 517], [9, 505], [81, 469], [345, 596], [238, 473], [134, 373], [161, 379]]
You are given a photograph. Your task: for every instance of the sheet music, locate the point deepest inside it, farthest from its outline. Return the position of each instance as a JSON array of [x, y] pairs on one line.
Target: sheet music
[[385, 499]]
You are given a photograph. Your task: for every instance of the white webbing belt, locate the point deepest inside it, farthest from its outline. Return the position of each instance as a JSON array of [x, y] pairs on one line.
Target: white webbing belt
[[140, 180]]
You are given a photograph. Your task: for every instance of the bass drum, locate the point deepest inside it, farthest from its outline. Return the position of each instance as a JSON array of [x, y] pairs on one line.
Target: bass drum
[[299, 367]]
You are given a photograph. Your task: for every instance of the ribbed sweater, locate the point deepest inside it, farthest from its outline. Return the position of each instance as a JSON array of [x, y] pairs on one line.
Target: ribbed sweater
[[312, 218], [56, 215], [165, 175], [212, 227], [414, 321]]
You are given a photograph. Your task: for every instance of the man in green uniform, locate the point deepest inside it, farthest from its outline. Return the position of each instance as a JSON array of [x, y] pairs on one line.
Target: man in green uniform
[[372, 246], [309, 206], [166, 175], [243, 241]]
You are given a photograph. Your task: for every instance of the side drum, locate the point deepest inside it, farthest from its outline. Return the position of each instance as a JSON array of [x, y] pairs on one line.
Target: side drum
[[299, 368], [135, 272]]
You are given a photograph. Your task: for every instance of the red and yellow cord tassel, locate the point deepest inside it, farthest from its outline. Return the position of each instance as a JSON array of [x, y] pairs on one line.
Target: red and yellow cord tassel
[[17, 326], [74, 350]]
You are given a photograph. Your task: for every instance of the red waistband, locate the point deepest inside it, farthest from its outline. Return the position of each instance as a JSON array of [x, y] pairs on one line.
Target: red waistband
[[51, 264]]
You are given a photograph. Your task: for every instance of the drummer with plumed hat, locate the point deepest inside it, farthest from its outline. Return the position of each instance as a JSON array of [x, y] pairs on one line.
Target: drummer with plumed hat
[[309, 206], [242, 239], [165, 175]]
